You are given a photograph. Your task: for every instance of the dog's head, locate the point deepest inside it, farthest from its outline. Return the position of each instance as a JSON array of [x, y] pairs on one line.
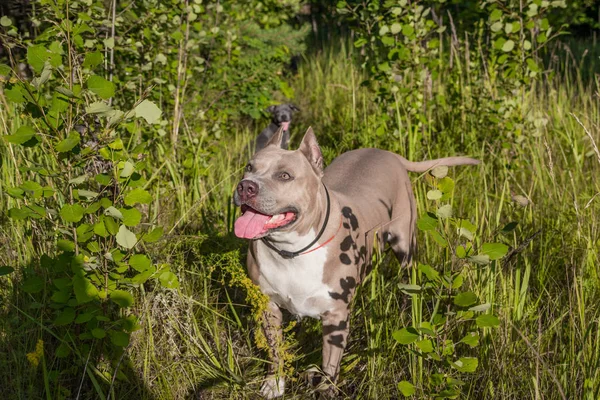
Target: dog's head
[[281, 114], [279, 188]]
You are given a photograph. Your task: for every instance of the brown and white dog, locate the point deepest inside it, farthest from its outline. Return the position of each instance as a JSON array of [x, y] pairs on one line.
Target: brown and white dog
[[312, 233]]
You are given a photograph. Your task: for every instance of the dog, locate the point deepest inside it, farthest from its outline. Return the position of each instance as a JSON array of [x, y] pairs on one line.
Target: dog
[[312, 231], [281, 117]]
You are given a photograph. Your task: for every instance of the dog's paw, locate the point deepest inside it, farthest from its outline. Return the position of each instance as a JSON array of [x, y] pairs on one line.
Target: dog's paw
[[326, 390], [272, 387]]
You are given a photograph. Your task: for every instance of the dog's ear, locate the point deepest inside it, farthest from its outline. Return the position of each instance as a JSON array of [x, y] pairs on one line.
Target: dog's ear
[[271, 109], [277, 138], [311, 150], [294, 107]]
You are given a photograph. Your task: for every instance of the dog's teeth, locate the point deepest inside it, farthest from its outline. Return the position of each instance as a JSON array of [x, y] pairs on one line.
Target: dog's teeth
[[276, 218]]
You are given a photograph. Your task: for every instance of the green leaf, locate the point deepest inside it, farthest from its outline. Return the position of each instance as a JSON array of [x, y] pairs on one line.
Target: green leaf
[[113, 212], [43, 78], [410, 289], [37, 57], [65, 92], [360, 42], [100, 229], [111, 225], [16, 193], [5, 70], [496, 15], [481, 308], [94, 247], [434, 195], [5, 270], [126, 238], [65, 317], [32, 189], [465, 299], [487, 321], [131, 323], [140, 262], [168, 280], [22, 135], [466, 364], [84, 232], [91, 60], [120, 339], [84, 290], [127, 169], [5, 21], [466, 233], [509, 45], [408, 30], [406, 335], [116, 144], [480, 259], [100, 86], [444, 211], [457, 281], [98, 108], [65, 245], [429, 272], [83, 318], [149, 111], [131, 216], [440, 171], [15, 94], [35, 284], [19, 213], [509, 227], [72, 213], [438, 238], [406, 388], [137, 195], [87, 194], [122, 298], [67, 144], [425, 345], [494, 251], [78, 180], [427, 222], [471, 340], [103, 179], [62, 350], [98, 333], [154, 235], [395, 28]]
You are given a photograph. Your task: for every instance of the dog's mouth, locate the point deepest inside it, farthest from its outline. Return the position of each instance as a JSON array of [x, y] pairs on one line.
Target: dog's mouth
[[285, 125], [254, 224]]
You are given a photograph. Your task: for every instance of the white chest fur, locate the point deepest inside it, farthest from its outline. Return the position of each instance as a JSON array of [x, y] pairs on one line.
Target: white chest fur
[[295, 284]]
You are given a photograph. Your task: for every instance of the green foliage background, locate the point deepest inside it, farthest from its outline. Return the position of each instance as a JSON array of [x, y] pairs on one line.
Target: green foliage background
[[124, 127]]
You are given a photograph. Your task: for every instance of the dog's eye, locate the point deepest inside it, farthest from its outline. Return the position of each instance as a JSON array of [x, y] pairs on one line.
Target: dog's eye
[[249, 168], [285, 176]]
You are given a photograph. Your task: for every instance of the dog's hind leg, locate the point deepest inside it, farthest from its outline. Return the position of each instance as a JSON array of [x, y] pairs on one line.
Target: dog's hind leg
[[336, 325], [401, 229]]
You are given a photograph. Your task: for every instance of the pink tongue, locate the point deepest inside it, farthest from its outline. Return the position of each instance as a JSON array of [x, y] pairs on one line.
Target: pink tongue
[[285, 125], [250, 224]]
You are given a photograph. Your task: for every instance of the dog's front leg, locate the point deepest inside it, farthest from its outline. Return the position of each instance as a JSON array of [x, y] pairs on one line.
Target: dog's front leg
[[274, 384], [335, 336]]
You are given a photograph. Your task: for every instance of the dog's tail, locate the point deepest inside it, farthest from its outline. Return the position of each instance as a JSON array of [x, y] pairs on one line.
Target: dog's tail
[[423, 166]]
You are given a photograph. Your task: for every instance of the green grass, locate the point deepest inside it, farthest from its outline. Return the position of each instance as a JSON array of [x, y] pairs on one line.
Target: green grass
[[197, 342]]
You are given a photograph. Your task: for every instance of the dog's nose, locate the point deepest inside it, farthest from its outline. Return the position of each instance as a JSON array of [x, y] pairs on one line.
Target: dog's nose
[[247, 189]]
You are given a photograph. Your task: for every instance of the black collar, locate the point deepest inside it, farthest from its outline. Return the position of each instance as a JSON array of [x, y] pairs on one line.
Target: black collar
[[291, 254]]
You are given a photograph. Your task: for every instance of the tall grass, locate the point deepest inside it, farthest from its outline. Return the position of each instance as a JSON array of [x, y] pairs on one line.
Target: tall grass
[[197, 342]]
